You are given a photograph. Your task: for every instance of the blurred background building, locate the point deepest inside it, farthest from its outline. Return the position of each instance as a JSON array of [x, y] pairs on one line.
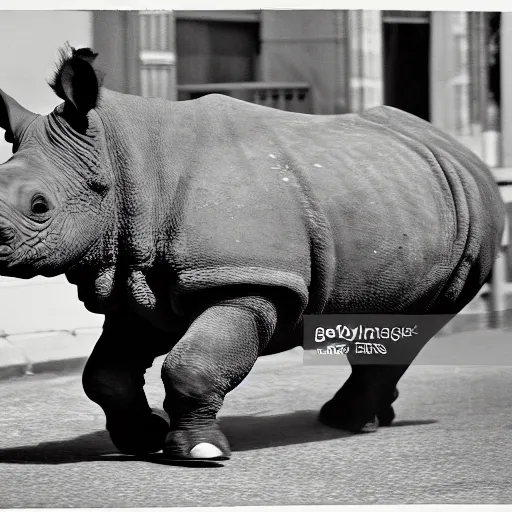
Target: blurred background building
[[442, 66]]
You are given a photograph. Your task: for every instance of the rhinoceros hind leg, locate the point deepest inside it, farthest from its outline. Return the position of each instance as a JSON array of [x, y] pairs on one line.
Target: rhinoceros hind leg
[[330, 416], [363, 403], [353, 419], [350, 409], [386, 414]]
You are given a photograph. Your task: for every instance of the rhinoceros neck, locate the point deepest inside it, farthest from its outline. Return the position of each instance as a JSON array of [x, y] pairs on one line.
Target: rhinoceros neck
[[148, 143]]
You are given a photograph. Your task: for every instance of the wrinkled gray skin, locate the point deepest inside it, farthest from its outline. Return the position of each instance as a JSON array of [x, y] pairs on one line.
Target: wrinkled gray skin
[[98, 190]]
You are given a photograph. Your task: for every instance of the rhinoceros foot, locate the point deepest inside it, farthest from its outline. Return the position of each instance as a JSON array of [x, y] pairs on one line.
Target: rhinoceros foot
[[352, 420], [352, 411], [206, 444], [142, 438], [387, 414]]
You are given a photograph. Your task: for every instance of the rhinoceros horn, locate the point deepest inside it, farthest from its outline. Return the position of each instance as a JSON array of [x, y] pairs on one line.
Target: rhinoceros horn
[[13, 118]]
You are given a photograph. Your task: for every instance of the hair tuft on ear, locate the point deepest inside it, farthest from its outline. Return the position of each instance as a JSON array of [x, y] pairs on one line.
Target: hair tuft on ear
[[71, 60]]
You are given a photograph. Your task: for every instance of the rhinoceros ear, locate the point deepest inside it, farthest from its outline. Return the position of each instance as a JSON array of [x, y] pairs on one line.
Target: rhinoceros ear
[[13, 118], [77, 82]]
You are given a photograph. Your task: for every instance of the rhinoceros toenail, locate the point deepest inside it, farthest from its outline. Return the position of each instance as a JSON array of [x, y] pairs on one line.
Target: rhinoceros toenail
[[205, 451]]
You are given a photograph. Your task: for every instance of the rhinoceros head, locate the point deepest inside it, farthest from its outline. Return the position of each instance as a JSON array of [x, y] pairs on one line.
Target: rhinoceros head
[[53, 189]]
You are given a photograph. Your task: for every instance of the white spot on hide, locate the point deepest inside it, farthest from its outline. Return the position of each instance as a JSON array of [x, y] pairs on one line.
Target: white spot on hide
[[272, 156], [286, 179], [317, 165], [375, 252]]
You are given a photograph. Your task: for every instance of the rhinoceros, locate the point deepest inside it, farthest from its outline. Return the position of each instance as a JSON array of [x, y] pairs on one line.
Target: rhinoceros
[[208, 229]]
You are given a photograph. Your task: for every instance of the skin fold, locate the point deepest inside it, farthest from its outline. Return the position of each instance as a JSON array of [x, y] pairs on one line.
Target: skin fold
[[205, 230]]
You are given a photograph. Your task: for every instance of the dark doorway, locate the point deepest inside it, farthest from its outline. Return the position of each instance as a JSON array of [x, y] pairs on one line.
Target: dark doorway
[[216, 51], [406, 67]]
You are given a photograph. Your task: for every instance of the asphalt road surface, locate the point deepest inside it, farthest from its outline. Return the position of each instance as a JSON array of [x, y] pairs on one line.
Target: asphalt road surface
[[452, 441]]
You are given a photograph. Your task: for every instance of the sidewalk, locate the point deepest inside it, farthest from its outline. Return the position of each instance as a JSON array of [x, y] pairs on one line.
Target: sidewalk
[[57, 351], [25, 354]]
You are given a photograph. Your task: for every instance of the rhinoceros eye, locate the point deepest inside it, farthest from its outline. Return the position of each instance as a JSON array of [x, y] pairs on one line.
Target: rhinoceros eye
[[39, 205]]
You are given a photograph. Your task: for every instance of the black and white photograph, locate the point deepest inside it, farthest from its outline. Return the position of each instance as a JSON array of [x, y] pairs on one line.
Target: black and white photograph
[[255, 256]]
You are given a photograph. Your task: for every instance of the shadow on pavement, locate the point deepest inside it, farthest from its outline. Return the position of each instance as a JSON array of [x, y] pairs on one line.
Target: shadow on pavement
[[244, 433], [89, 447], [299, 427]]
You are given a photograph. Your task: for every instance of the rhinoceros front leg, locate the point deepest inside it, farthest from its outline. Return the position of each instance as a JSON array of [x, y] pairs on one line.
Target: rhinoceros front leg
[[215, 355], [114, 378]]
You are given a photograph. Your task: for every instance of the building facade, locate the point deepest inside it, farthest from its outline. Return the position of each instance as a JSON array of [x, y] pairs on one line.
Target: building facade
[[442, 66]]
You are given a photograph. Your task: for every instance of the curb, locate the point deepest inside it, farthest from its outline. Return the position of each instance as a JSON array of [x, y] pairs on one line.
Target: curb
[[27, 354], [475, 321], [66, 351]]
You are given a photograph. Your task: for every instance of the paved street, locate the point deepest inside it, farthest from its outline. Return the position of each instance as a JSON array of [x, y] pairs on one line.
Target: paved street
[[451, 443]]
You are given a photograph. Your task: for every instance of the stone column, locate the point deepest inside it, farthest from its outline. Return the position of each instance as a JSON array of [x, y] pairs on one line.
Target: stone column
[[157, 55], [506, 87], [115, 37], [456, 80], [365, 63]]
